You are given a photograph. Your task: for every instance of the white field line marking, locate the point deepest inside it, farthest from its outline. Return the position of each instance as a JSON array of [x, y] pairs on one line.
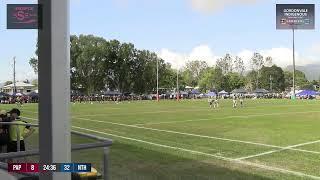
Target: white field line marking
[[226, 117], [196, 135], [279, 150], [201, 136], [270, 168]]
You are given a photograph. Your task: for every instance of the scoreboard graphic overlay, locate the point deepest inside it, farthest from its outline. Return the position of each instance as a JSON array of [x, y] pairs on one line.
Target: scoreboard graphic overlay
[[56, 167]]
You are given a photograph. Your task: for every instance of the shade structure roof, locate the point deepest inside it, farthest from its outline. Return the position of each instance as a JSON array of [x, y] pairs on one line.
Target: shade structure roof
[[223, 92], [263, 91], [241, 91]]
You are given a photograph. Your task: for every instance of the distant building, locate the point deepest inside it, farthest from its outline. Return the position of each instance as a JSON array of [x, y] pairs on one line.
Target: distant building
[[21, 87]]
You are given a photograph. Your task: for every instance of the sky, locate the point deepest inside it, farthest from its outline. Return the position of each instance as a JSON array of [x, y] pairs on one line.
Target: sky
[[177, 30]]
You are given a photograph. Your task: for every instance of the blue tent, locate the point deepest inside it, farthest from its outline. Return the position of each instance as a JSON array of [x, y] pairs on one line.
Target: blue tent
[[195, 91], [2, 94], [308, 93], [211, 94], [33, 94]]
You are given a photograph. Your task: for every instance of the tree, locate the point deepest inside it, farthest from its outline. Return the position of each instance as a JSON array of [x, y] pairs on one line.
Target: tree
[[239, 66], [193, 71], [225, 64], [257, 62], [87, 62], [268, 61], [34, 60], [167, 77], [212, 79], [251, 82], [300, 79], [34, 64], [233, 81], [277, 78]]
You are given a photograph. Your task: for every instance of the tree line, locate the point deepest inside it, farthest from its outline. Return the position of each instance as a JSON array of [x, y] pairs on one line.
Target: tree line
[[98, 64]]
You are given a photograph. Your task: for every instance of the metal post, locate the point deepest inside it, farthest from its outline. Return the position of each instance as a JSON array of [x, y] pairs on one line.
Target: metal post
[[106, 163], [157, 79], [294, 65], [54, 86], [270, 83]]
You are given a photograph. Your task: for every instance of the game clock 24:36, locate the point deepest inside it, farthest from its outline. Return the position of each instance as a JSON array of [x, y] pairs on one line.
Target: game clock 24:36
[[49, 167]]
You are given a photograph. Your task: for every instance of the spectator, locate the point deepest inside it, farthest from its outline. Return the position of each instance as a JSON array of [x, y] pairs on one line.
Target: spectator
[[25, 131], [4, 132]]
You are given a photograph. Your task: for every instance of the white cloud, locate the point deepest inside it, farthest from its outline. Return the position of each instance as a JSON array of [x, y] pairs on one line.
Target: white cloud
[[176, 59], [281, 56], [209, 6], [315, 48]]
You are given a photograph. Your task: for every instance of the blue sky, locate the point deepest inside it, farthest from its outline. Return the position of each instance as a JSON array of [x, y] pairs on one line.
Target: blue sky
[[178, 30]]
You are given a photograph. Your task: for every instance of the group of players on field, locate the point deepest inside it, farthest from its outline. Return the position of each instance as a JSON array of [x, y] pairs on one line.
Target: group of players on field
[[214, 101]]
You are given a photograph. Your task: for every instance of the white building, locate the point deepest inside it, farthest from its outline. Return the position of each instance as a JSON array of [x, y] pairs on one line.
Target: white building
[[22, 87]]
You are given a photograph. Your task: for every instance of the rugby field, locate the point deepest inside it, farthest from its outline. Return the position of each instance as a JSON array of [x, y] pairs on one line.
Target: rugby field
[[266, 139]]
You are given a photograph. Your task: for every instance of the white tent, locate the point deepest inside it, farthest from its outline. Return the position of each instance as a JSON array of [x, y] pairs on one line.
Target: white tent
[[223, 92]]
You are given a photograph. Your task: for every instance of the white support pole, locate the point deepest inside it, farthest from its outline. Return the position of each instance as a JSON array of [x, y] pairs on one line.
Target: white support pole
[[54, 86], [14, 76], [157, 79], [294, 64], [178, 94]]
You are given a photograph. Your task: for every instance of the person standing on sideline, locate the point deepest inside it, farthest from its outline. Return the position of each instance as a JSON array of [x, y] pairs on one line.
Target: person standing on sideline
[[234, 100], [25, 131], [210, 101], [4, 132]]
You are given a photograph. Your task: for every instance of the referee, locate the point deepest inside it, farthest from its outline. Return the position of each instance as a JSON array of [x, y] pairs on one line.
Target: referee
[[24, 131]]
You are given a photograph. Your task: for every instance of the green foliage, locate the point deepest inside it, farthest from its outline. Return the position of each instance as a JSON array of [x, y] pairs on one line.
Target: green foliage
[[193, 71], [233, 81], [97, 63], [212, 79], [272, 76], [34, 64], [301, 80], [225, 64]]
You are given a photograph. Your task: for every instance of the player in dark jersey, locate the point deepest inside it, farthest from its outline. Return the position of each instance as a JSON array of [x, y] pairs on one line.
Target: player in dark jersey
[[210, 101], [241, 100]]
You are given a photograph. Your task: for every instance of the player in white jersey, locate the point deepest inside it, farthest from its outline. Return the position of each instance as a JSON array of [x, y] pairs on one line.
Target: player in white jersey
[[234, 100], [216, 101]]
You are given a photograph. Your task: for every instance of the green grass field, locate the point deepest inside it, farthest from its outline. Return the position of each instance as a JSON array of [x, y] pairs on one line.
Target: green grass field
[[267, 139]]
